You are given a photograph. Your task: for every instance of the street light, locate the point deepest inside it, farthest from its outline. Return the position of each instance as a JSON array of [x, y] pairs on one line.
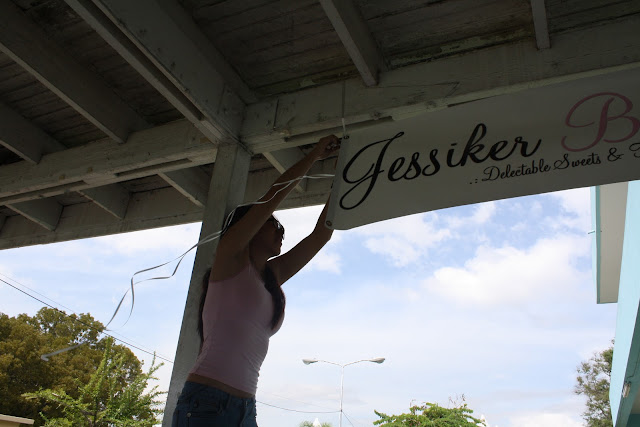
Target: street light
[[310, 361]]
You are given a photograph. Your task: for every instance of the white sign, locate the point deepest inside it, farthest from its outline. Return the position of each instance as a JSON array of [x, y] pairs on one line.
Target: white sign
[[569, 135]]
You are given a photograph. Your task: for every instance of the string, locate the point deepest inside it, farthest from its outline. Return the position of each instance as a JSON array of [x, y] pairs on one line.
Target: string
[[205, 240]]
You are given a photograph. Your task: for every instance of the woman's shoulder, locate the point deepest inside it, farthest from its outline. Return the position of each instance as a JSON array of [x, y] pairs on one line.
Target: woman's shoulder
[[232, 274]]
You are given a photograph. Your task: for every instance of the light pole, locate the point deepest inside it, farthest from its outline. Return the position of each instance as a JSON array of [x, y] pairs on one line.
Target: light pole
[[310, 361]]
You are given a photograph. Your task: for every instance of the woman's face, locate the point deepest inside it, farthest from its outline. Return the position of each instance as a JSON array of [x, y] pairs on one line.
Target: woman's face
[[271, 235]]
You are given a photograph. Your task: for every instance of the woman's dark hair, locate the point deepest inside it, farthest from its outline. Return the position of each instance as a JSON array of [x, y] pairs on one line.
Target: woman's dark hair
[[270, 282]]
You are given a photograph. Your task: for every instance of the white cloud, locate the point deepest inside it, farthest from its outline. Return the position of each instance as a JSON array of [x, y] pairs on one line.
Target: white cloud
[[326, 260], [178, 238], [576, 206], [482, 213], [545, 420], [509, 275], [298, 224], [404, 240]]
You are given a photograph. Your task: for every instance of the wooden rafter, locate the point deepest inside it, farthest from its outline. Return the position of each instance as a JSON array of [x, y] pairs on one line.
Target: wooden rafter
[[27, 44], [193, 183], [44, 212], [539, 12], [24, 138], [356, 38], [113, 198], [284, 159], [171, 40], [134, 56], [163, 148]]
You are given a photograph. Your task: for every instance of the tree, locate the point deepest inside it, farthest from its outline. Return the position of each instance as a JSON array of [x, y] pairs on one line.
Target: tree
[[103, 402], [23, 339], [594, 379], [432, 415]]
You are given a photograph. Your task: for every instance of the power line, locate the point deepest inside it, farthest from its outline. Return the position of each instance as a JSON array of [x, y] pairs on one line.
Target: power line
[[295, 410], [36, 292], [294, 400], [148, 350], [83, 323], [74, 312], [348, 419]]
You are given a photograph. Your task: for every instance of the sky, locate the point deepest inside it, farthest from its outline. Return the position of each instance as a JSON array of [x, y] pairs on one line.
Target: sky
[[494, 302]]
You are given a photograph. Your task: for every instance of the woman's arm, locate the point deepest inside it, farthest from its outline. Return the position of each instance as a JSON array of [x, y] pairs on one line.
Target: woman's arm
[[288, 264], [236, 239]]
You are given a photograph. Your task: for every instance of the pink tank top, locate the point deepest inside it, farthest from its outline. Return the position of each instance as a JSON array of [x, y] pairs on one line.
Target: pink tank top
[[236, 328]]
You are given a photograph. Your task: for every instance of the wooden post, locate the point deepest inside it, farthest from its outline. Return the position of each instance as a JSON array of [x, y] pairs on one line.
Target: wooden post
[[226, 191]]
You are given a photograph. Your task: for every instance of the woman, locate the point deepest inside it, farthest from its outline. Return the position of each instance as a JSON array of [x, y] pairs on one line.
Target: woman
[[244, 305]]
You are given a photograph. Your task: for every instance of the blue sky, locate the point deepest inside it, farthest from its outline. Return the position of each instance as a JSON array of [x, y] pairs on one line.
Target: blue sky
[[495, 301]]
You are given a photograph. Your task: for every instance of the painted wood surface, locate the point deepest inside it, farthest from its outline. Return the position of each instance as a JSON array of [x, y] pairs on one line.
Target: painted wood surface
[[295, 74]]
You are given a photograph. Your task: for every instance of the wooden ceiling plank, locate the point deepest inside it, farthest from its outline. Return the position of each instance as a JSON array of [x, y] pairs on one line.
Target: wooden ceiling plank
[[284, 159], [356, 37], [44, 212], [113, 198], [540, 24], [23, 137], [433, 85], [193, 183], [28, 45], [169, 37], [166, 147]]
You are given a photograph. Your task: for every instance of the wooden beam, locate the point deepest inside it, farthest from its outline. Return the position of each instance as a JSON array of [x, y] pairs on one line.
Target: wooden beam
[[2, 221], [284, 159], [540, 24], [169, 147], [193, 183], [113, 198], [23, 137], [434, 85], [147, 210], [27, 44], [226, 189], [110, 32], [169, 37], [356, 38], [44, 212]]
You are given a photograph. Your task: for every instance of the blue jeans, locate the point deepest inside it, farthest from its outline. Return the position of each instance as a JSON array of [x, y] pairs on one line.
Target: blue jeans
[[203, 405]]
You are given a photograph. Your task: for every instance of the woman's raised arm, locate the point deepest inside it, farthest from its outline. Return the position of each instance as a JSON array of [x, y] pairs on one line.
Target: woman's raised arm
[[236, 239]]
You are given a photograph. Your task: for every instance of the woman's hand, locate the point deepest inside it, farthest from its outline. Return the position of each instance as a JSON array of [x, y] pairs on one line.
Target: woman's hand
[[326, 147]]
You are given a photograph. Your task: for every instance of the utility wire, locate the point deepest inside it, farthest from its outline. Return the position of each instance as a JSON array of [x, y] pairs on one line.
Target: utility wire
[[36, 292], [57, 303], [348, 419], [85, 324], [295, 410], [294, 400]]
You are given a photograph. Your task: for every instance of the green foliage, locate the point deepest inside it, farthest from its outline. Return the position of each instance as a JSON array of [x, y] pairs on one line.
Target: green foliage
[[431, 415], [102, 401], [594, 378], [23, 339]]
